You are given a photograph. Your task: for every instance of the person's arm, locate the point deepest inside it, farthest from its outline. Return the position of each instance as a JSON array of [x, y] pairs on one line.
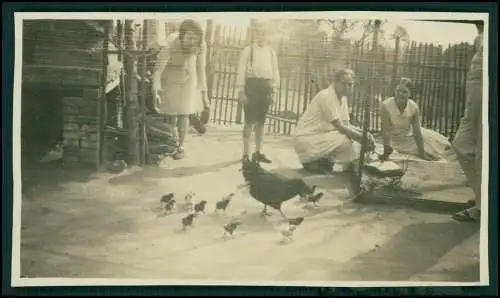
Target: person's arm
[[161, 62], [348, 131], [386, 124], [331, 113], [241, 70], [201, 65], [276, 71], [201, 68], [417, 132]]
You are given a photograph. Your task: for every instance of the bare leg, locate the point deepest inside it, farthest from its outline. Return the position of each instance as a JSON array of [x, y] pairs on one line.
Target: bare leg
[[180, 124], [183, 128], [259, 136], [247, 132], [468, 146], [173, 121]]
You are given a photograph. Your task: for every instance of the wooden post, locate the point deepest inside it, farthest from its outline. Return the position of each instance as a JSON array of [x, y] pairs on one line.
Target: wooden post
[[396, 61], [239, 106], [102, 104], [119, 41], [143, 93], [131, 95], [307, 76], [367, 110], [209, 67]]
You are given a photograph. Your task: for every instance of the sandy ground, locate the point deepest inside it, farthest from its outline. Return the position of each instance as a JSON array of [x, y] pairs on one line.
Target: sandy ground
[[109, 225]]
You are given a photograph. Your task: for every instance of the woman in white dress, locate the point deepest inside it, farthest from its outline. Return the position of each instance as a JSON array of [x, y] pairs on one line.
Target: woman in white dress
[[179, 78], [402, 130], [323, 136]]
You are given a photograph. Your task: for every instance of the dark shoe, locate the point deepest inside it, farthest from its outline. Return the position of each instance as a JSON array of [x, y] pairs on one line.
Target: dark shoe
[[466, 216], [259, 157], [179, 154], [471, 203], [316, 168]]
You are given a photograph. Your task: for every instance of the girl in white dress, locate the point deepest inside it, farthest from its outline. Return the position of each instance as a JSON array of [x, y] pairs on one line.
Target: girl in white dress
[[402, 131], [180, 82]]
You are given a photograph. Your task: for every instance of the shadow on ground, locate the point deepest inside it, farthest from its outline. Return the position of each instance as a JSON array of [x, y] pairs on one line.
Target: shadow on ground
[[164, 173], [431, 242], [395, 260], [49, 238], [400, 199], [44, 178]]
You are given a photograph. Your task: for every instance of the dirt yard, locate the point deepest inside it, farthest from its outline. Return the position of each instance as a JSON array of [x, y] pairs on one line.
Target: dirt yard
[[108, 225]]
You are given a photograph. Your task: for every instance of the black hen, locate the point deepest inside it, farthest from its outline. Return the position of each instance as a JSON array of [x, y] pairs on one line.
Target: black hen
[[271, 189]]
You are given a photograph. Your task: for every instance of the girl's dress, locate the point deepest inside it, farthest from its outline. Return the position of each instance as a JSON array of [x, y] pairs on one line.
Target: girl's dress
[[403, 141], [181, 77]]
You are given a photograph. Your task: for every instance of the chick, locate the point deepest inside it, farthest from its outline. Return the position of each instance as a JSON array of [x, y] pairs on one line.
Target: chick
[[315, 199], [200, 207], [188, 220], [230, 228], [167, 197], [224, 203], [288, 233], [296, 221], [189, 200], [170, 206]]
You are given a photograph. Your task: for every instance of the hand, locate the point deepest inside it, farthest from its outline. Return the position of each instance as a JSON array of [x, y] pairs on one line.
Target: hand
[[242, 97], [158, 95], [371, 141], [206, 104]]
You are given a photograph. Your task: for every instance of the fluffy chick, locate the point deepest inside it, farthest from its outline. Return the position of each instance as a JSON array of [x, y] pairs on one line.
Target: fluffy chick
[[188, 220], [314, 199], [296, 221], [231, 227], [288, 233], [189, 201], [167, 197], [170, 206], [224, 203], [200, 207]]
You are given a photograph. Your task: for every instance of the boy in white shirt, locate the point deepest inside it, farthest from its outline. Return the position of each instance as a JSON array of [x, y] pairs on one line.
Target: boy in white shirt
[[257, 81]]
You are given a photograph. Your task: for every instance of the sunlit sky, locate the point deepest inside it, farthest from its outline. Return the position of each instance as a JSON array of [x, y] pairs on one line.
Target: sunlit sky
[[439, 33], [419, 31]]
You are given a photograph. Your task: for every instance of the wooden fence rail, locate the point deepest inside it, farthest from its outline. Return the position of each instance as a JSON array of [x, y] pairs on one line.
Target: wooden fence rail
[[439, 78]]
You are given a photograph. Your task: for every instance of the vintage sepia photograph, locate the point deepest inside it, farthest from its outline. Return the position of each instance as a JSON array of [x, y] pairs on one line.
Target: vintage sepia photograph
[[251, 148]]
